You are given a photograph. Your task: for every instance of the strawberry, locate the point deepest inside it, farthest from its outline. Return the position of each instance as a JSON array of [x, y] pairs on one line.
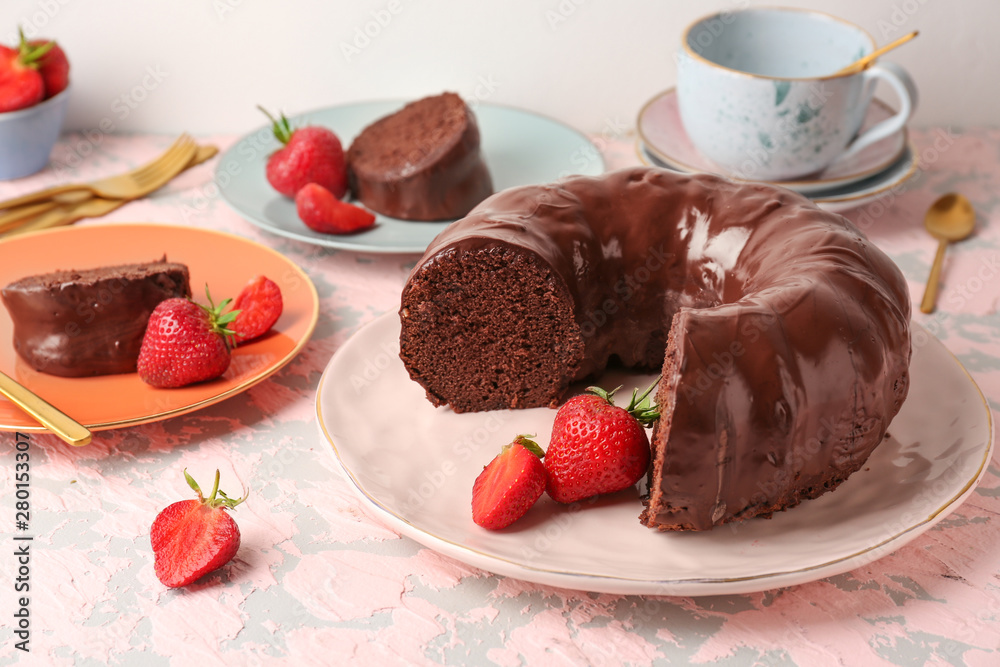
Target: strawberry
[[311, 154], [53, 66], [509, 485], [191, 538], [598, 447], [260, 307], [185, 342], [21, 84], [323, 212]]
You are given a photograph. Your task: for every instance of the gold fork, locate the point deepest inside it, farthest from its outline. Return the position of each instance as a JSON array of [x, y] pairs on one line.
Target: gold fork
[[93, 207], [49, 416], [130, 185], [13, 216]]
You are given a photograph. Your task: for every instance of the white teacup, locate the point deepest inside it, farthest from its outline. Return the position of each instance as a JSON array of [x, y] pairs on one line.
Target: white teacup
[[759, 96]]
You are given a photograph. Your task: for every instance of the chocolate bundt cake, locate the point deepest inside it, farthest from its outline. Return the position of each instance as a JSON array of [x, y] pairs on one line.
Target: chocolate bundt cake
[[422, 162], [781, 332], [79, 323]]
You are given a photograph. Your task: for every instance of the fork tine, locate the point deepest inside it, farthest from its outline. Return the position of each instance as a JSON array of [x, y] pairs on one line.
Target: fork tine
[[173, 163], [179, 146], [169, 167], [154, 164]]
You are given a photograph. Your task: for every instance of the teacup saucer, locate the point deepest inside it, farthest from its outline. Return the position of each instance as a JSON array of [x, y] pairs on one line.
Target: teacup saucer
[[663, 136], [837, 198]]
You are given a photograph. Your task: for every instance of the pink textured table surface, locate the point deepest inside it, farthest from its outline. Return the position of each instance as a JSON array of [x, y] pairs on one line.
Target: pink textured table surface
[[317, 581]]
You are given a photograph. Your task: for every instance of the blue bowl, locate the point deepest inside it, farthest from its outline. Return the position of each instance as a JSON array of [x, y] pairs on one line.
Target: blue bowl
[[28, 135]]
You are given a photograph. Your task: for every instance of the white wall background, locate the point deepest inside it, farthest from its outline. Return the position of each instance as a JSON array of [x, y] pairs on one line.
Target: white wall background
[[203, 65]]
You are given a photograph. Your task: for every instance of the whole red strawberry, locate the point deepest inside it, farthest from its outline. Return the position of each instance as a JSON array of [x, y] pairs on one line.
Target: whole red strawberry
[[185, 342], [191, 538], [509, 485], [260, 307], [21, 84], [53, 66], [598, 447], [310, 154], [322, 212]]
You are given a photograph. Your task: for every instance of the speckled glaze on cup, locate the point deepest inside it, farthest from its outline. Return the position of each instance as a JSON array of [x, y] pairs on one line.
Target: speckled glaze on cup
[[28, 135], [758, 95]]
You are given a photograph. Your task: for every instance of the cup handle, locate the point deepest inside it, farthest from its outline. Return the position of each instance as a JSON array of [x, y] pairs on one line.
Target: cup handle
[[906, 90]]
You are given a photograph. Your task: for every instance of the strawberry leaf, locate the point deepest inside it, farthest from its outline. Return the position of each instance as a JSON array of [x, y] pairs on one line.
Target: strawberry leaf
[[218, 320], [193, 484], [642, 406], [608, 396], [30, 55], [281, 128], [218, 497], [529, 444]]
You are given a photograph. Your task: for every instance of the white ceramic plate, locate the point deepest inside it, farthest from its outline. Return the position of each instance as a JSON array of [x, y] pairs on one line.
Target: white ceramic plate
[[520, 148], [414, 471], [840, 198], [662, 133]]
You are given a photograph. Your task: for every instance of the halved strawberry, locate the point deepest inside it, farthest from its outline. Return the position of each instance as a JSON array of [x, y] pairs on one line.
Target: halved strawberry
[[260, 306], [323, 212], [191, 538], [507, 488]]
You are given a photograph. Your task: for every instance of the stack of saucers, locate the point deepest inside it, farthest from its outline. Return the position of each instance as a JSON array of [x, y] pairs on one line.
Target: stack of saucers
[[847, 184]]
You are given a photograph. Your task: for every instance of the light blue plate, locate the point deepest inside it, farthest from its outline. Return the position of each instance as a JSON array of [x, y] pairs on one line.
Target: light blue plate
[[520, 148]]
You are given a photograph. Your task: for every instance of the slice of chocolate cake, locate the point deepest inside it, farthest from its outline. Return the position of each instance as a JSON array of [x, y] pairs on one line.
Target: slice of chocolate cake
[[422, 162], [79, 323]]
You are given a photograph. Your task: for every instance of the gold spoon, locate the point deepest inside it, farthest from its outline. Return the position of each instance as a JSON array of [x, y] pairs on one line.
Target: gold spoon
[[859, 65], [951, 218], [47, 414]]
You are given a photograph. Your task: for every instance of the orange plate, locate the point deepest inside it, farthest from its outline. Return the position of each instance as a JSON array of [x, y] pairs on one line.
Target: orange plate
[[224, 261]]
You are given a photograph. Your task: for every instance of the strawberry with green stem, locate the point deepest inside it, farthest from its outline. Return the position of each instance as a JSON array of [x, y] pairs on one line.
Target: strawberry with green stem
[[310, 154], [191, 538], [186, 342], [598, 447], [52, 65], [21, 84]]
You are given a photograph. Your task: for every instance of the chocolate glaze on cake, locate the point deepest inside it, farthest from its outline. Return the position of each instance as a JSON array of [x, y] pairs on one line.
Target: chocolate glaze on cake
[[80, 323], [422, 162], [781, 332]]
